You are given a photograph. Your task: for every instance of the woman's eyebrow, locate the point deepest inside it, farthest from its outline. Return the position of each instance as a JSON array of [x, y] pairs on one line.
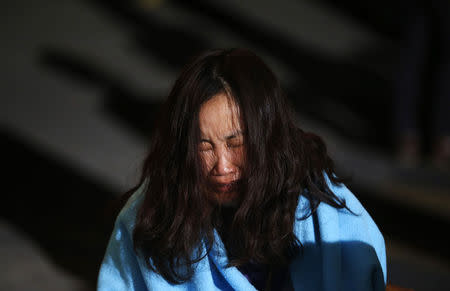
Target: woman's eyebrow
[[234, 134]]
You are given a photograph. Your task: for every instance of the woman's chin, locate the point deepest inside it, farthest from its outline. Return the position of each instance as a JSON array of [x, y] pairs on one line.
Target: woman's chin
[[227, 199]]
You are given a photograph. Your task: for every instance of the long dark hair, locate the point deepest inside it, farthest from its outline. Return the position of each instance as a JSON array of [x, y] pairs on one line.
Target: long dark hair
[[282, 162]]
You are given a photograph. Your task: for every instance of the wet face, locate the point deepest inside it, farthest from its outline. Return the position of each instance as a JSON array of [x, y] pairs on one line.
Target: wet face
[[221, 148]]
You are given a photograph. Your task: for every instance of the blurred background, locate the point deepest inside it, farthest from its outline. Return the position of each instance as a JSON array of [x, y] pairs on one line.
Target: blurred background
[[81, 81]]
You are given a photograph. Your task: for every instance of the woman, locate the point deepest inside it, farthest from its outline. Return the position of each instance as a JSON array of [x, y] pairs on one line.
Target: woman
[[234, 196]]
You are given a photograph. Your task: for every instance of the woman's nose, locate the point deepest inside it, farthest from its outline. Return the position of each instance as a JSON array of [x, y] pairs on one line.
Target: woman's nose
[[224, 165]]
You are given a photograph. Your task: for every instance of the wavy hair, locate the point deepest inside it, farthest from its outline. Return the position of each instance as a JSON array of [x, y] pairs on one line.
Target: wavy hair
[[282, 162]]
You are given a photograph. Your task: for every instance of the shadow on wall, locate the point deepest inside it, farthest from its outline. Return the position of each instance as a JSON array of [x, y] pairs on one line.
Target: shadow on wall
[[69, 216], [346, 83]]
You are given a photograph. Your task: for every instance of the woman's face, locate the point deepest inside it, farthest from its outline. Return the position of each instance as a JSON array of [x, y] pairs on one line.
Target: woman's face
[[221, 148]]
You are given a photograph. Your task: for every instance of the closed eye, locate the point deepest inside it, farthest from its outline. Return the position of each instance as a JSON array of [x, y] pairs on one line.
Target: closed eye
[[235, 141], [205, 146]]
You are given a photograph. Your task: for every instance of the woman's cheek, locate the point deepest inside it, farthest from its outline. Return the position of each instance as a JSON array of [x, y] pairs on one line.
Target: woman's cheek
[[208, 162], [239, 157]]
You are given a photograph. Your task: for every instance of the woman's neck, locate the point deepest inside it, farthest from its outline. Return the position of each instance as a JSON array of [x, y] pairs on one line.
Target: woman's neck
[[224, 228]]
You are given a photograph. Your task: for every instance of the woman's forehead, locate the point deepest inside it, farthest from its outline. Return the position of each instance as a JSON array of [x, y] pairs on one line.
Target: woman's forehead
[[219, 116]]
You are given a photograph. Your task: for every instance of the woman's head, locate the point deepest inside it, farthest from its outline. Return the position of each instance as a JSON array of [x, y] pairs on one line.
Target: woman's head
[[226, 136], [237, 85]]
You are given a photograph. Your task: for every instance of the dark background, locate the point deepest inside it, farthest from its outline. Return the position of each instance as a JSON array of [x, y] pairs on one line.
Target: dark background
[[82, 80]]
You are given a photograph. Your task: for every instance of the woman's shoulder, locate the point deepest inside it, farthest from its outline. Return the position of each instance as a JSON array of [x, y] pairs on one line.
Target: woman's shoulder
[[341, 192], [351, 222], [347, 236]]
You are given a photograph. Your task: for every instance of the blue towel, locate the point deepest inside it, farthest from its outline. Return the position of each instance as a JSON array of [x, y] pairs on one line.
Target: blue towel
[[341, 251]]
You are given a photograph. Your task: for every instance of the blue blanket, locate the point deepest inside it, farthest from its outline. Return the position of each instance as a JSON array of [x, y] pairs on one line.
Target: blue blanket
[[341, 251]]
